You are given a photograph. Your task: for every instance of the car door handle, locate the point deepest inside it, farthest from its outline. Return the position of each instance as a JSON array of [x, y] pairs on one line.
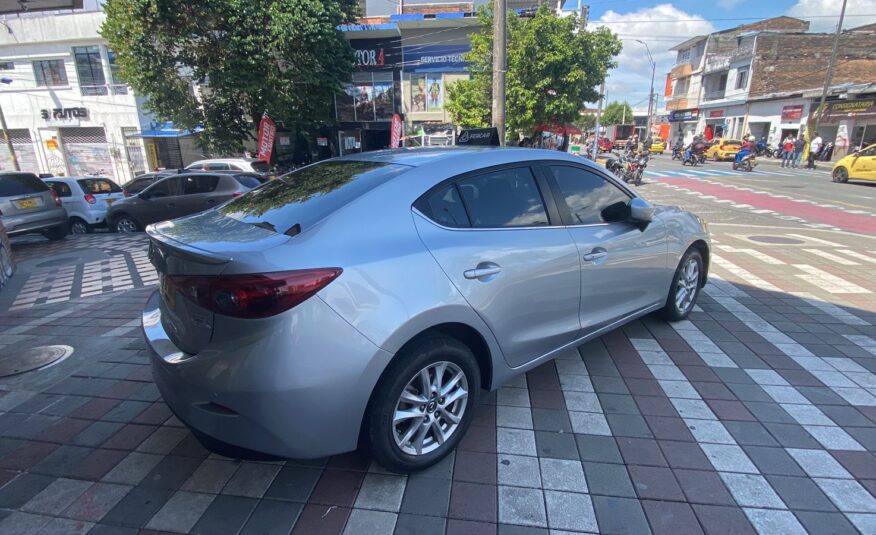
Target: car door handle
[[481, 271], [595, 256]]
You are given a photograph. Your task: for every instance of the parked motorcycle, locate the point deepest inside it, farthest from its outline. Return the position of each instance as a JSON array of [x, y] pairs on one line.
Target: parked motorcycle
[[628, 167], [746, 163]]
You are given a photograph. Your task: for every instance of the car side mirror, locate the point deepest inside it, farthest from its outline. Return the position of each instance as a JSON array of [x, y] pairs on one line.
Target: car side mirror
[[641, 211]]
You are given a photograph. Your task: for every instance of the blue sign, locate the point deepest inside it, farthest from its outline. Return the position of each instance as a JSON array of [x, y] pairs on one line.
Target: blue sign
[[435, 58]]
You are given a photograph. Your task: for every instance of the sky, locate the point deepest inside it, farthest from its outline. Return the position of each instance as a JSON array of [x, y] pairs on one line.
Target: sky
[[663, 25]]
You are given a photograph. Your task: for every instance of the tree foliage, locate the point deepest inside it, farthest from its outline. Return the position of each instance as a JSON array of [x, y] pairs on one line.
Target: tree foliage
[[283, 57], [617, 113], [553, 69], [585, 122]]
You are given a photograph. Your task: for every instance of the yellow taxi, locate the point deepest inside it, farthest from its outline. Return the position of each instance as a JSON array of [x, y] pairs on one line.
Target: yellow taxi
[[723, 149], [658, 146], [860, 165]]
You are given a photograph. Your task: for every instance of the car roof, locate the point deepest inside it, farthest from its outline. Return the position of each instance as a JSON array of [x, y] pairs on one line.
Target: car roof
[[420, 156], [83, 177], [225, 160]]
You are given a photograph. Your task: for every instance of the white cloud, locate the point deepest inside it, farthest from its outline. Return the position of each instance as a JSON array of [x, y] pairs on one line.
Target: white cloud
[[831, 9], [662, 27]]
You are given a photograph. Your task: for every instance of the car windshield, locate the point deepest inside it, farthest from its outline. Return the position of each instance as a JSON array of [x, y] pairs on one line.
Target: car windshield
[[303, 197], [260, 167], [20, 184], [98, 185]]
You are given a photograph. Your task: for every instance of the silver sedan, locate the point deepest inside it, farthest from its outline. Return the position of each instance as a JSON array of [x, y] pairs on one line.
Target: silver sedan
[[371, 298]]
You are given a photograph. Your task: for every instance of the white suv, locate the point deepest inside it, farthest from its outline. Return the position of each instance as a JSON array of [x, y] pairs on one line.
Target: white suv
[[231, 164], [86, 199]]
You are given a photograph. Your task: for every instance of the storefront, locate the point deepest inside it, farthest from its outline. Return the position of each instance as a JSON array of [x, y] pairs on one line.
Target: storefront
[[774, 120], [168, 147], [723, 122], [428, 70], [848, 123], [683, 123], [364, 111]]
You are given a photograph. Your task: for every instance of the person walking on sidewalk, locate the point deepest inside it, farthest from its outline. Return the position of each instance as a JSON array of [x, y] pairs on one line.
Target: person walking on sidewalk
[[814, 149], [788, 151], [799, 145]]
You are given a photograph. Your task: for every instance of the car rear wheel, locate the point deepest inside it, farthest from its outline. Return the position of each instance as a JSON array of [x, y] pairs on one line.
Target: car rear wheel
[[78, 226], [7, 268], [840, 174], [685, 287], [423, 404], [57, 233], [126, 224], [715, 157]]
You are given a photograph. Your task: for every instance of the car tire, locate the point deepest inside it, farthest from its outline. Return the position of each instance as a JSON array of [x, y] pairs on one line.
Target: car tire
[[400, 391], [686, 282], [840, 174], [715, 157], [7, 266], [125, 224], [78, 226], [57, 233]]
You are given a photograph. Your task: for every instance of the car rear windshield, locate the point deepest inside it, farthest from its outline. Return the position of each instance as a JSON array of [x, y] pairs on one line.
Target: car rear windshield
[[98, 185], [20, 184], [249, 181], [260, 167], [297, 200]]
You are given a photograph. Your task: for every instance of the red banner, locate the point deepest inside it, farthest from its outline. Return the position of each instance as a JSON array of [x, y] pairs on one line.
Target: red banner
[[792, 113], [267, 133], [396, 132]]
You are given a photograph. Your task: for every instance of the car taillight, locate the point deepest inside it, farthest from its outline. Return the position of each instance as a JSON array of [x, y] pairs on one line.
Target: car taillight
[[237, 194], [252, 296], [55, 196], [89, 198]]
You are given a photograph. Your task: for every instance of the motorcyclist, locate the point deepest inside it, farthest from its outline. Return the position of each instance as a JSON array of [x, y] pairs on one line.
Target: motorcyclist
[[696, 148], [746, 149], [632, 143]]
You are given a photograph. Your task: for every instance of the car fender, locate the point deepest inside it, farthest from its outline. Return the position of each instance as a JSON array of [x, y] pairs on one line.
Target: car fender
[[683, 229]]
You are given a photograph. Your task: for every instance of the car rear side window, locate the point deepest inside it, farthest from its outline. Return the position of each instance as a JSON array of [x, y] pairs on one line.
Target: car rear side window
[[444, 207], [260, 167], [503, 198], [200, 184], [303, 197], [589, 198], [62, 189], [98, 185], [12, 184], [248, 181], [218, 167]]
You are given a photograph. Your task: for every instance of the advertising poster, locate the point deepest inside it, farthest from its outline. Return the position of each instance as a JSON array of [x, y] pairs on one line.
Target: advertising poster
[[383, 101], [434, 93], [418, 92], [344, 104], [364, 101]]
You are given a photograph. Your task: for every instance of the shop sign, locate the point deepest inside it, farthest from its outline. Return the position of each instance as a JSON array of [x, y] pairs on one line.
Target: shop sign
[[684, 115], [436, 58], [322, 142], [479, 136], [792, 113], [285, 141], [852, 108], [267, 132], [377, 54], [716, 114], [64, 113]]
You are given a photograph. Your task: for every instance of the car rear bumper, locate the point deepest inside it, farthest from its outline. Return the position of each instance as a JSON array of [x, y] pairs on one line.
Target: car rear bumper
[[34, 221], [295, 385]]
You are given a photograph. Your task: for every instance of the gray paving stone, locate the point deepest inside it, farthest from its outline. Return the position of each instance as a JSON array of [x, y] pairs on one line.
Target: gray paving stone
[[628, 425], [709, 431], [773, 461], [20, 523], [565, 475], [21, 489], [556, 445], [515, 441], [364, 522], [848, 495], [833, 523], [518, 471], [518, 417], [226, 514], [608, 479], [819, 463], [551, 420], [522, 506], [751, 490], [769, 412], [750, 433], [294, 483], [833, 438], [865, 522], [274, 517], [211, 476], [589, 423], [56, 497], [381, 492], [181, 511], [582, 401], [598, 449], [137, 507], [426, 496], [792, 436], [96, 502], [163, 440], [570, 511], [416, 525], [515, 397], [66, 526], [251, 479], [620, 515], [800, 493], [95, 434], [771, 521], [728, 458]]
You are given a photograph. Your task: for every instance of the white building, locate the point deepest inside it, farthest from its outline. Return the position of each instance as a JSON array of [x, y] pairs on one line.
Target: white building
[[65, 108]]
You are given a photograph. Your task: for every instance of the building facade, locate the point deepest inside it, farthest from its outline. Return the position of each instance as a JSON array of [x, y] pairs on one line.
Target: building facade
[[66, 109]]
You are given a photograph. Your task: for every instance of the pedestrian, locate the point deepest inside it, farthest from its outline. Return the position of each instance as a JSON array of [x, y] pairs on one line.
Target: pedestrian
[[814, 149], [799, 145], [788, 151]]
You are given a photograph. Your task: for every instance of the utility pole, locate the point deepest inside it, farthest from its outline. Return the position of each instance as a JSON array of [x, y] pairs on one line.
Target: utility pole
[[839, 29], [6, 132], [500, 18], [598, 116], [651, 100]]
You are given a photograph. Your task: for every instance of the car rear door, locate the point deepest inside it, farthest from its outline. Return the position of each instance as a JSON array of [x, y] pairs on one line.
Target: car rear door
[[201, 192], [623, 264], [517, 267]]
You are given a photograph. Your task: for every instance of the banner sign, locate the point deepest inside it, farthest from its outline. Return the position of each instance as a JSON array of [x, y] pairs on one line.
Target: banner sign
[[859, 109], [792, 113], [377, 54], [396, 132], [684, 115], [436, 58], [479, 136], [716, 114], [267, 132]]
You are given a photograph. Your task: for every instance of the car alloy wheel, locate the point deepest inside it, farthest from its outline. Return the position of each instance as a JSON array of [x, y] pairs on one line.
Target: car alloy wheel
[[430, 408], [840, 175], [126, 224], [688, 281], [77, 226], [6, 267]]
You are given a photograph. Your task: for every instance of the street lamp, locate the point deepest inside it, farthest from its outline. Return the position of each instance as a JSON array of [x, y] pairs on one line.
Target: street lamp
[[6, 80], [651, 102]]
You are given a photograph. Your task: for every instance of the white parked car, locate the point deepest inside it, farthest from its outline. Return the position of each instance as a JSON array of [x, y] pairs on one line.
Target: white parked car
[[231, 164], [86, 199]]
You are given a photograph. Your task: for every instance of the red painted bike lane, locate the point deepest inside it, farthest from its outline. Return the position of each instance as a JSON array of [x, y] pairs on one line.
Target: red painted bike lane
[[816, 214]]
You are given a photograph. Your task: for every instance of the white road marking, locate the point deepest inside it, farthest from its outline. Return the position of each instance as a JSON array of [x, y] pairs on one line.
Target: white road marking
[[828, 282], [832, 257], [763, 257], [859, 256]]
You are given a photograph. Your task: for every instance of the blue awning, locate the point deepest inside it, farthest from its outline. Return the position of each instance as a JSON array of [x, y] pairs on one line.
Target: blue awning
[[164, 133]]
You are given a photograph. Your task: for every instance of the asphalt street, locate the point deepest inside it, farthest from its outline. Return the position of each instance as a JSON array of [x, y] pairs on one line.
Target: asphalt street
[[756, 415]]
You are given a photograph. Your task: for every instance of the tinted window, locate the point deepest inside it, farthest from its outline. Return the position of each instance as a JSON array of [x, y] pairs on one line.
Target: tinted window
[[199, 184], [62, 189], [445, 207], [731, 142], [50, 72], [309, 194], [590, 198], [168, 187], [504, 198], [249, 181], [138, 185], [98, 185], [218, 167], [260, 167], [20, 184]]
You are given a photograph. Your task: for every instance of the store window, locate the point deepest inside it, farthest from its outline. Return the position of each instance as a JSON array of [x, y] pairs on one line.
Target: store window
[[90, 70], [119, 87], [50, 72], [368, 98], [427, 92], [742, 78]]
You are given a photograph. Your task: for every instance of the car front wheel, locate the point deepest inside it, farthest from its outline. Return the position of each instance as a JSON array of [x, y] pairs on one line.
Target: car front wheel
[[840, 174], [423, 404], [78, 226], [685, 287], [126, 224]]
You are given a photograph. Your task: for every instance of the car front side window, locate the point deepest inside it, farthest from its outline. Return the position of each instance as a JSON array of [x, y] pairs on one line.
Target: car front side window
[[589, 198]]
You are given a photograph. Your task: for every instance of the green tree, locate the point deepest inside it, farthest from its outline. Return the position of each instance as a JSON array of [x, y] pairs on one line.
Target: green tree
[[283, 57], [617, 113], [585, 122], [553, 69]]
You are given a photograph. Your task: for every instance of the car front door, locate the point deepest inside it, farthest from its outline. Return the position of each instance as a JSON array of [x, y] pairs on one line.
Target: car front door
[[864, 166], [159, 201], [623, 264], [517, 267]]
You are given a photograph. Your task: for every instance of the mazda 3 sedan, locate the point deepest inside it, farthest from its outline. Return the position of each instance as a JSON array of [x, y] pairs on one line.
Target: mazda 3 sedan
[[370, 298]]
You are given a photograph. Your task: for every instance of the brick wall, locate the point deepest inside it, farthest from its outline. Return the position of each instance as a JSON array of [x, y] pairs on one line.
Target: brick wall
[[786, 62]]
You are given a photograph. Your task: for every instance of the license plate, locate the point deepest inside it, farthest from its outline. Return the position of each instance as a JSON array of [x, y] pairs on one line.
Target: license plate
[[26, 203], [167, 292]]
